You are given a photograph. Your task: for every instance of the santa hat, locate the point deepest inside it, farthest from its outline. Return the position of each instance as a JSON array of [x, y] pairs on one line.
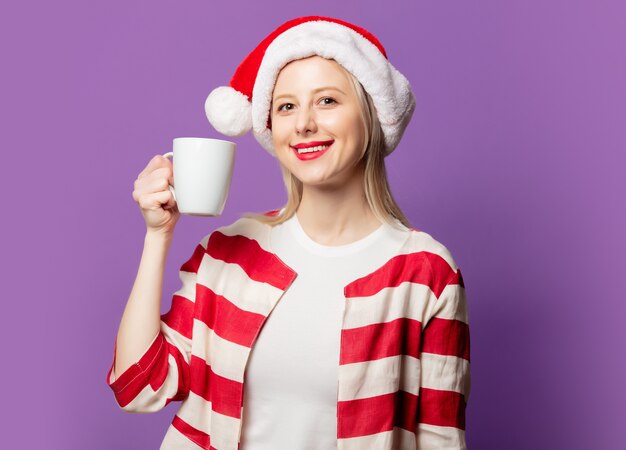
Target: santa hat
[[245, 104]]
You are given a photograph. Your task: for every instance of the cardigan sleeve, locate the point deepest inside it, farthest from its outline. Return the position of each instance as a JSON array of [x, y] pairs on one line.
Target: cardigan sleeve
[[444, 370], [162, 373]]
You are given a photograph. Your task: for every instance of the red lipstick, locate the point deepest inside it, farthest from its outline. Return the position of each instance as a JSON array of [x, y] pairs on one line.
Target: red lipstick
[[311, 155], [312, 144]]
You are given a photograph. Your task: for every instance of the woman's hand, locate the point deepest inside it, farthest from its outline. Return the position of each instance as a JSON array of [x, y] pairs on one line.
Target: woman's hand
[[154, 197]]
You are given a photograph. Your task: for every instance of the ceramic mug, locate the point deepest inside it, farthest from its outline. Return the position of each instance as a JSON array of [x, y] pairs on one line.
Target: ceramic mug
[[203, 169]]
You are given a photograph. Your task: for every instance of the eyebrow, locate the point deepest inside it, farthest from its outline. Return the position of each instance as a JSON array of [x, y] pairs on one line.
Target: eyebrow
[[315, 91]]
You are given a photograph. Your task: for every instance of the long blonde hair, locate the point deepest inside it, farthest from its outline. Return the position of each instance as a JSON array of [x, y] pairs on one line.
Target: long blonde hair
[[376, 186]]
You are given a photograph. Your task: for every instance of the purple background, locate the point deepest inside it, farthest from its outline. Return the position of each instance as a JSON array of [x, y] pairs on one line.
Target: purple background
[[514, 160]]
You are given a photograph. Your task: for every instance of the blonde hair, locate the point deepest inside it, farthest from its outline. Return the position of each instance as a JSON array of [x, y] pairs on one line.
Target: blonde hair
[[375, 183]]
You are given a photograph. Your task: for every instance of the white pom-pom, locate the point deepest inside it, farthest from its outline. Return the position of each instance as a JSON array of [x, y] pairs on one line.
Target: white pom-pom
[[229, 111]]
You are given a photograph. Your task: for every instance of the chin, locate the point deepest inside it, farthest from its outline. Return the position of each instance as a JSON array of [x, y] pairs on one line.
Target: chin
[[323, 182]]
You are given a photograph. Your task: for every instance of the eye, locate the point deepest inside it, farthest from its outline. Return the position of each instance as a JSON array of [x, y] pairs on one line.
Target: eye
[[281, 107], [330, 101]]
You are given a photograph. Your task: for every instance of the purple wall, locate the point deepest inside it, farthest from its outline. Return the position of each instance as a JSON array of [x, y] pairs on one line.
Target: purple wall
[[511, 161]]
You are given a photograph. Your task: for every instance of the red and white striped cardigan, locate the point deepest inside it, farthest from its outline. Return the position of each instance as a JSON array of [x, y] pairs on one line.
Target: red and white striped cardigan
[[404, 377]]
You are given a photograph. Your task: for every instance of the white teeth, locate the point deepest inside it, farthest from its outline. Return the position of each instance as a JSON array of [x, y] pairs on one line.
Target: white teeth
[[312, 149]]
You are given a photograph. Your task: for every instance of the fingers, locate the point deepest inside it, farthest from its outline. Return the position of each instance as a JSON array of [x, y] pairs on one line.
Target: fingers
[[156, 200], [158, 161], [153, 195], [155, 181]]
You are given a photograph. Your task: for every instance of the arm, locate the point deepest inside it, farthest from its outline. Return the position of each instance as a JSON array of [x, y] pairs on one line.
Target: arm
[[155, 366], [445, 372]]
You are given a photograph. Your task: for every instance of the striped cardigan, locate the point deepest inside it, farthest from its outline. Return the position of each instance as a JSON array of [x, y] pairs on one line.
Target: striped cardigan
[[404, 377]]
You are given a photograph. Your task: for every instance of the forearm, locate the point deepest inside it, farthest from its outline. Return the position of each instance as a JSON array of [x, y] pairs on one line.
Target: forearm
[[141, 319]]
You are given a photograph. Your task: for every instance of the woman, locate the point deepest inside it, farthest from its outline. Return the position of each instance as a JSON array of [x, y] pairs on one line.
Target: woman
[[327, 324]]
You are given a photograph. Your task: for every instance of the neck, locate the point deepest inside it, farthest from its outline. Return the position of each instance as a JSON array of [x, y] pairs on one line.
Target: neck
[[333, 215]]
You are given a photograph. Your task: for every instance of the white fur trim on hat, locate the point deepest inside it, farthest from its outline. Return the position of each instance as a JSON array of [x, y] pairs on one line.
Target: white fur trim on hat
[[229, 111], [389, 89]]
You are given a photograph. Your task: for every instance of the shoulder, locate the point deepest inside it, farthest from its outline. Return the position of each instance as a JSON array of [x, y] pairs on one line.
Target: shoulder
[[422, 241], [437, 255], [245, 245], [243, 229], [421, 259], [245, 226]]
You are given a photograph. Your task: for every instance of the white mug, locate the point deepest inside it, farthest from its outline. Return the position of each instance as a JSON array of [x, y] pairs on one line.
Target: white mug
[[203, 170]]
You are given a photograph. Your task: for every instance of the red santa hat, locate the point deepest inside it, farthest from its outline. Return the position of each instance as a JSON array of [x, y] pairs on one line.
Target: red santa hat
[[245, 103]]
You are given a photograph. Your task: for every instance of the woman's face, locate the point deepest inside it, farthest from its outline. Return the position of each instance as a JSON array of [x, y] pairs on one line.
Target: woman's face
[[314, 103]]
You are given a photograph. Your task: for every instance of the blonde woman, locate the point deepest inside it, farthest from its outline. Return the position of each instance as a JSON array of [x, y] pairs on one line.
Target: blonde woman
[[329, 323]]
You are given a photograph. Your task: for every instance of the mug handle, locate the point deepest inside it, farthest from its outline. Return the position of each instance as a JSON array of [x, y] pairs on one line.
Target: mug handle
[[171, 155]]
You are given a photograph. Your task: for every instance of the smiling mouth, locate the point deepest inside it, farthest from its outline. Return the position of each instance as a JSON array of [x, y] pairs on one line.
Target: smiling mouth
[[311, 153], [312, 146], [317, 148]]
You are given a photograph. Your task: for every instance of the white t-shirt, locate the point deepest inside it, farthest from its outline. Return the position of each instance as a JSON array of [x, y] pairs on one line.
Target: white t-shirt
[[290, 389]]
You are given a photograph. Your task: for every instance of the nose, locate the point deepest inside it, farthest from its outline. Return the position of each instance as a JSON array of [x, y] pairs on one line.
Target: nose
[[305, 121]]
